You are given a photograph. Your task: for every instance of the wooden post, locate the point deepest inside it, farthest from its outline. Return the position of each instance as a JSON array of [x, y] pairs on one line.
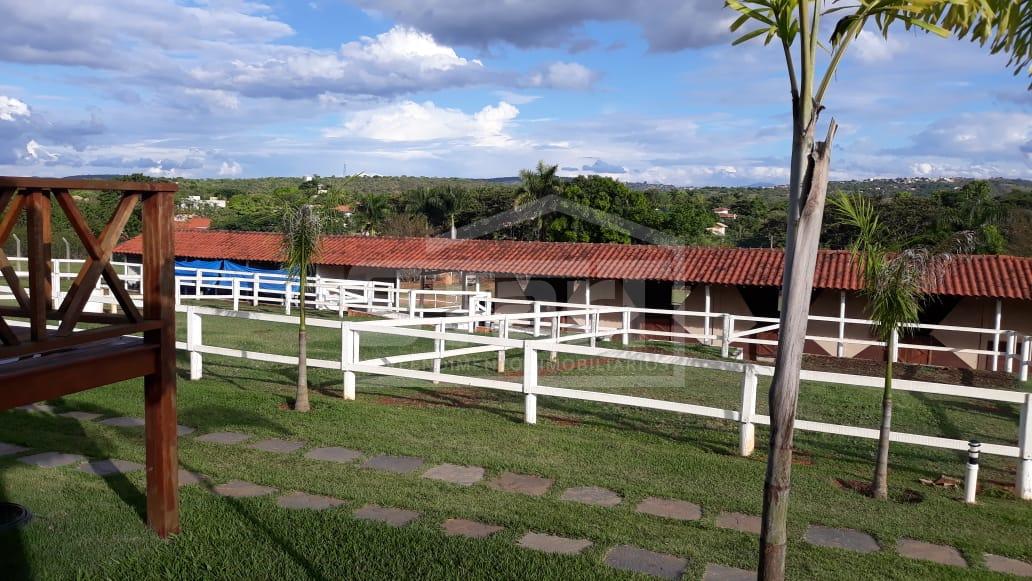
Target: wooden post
[[40, 234], [530, 379], [747, 430], [194, 339], [348, 349], [160, 387]]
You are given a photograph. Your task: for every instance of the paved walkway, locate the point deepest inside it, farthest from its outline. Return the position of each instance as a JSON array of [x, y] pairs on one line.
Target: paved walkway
[[622, 557]]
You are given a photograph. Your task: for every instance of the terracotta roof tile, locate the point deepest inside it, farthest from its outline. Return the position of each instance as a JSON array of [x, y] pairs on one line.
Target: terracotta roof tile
[[977, 276]]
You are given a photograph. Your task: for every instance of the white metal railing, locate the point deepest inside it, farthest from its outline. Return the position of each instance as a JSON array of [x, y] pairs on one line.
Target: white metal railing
[[500, 342]]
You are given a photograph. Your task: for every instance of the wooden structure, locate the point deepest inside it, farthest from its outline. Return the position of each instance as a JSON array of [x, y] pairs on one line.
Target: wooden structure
[[45, 361]]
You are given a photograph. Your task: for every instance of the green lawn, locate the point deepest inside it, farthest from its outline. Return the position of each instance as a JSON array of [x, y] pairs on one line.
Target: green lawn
[[91, 528]]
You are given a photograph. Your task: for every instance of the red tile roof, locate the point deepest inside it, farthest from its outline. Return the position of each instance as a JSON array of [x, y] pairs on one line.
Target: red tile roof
[[194, 223], [976, 276]]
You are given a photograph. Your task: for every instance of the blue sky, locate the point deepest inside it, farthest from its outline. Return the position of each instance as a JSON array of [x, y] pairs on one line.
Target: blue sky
[[641, 90]]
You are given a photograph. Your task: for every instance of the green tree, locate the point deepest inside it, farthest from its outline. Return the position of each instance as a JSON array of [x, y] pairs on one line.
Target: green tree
[[372, 210], [896, 282], [796, 25], [302, 230], [535, 185], [688, 219]]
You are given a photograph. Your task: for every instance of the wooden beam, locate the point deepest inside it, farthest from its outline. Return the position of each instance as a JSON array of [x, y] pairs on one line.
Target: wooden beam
[[39, 246], [160, 386], [55, 315], [53, 376], [7, 336], [86, 184], [78, 339], [7, 224]]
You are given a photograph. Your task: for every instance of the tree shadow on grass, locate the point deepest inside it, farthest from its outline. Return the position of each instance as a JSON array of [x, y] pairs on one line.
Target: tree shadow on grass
[[14, 559]]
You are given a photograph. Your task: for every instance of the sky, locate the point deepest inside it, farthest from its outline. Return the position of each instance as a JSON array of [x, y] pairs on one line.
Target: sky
[[639, 90]]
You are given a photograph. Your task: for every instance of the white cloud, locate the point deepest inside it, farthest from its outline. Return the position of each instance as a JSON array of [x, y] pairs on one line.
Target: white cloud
[[871, 48], [11, 108], [37, 152], [562, 75], [409, 121], [403, 46], [230, 169]]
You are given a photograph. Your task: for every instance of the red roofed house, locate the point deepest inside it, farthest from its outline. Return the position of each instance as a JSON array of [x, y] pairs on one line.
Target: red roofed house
[[983, 292]]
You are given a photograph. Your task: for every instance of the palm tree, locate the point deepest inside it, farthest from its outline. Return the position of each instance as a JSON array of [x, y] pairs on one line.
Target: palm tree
[[450, 202], [895, 284], [372, 209], [302, 229], [535, 185]]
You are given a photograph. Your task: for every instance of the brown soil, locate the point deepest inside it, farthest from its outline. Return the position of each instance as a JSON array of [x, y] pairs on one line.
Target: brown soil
[[969, 377]]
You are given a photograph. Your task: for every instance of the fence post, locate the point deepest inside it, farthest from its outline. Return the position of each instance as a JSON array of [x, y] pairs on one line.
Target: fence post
[[55, 283], [236, 294], [178, 291], [412, 304], [537, 319], [971, 478], [555, 333], [194, 339], [1024, 484], [1026, 354], [593, 328], [1012, 344], [474, 308], [530, 379], [254, 290], [288, 296], [894, 345], [747, 430], [438, 349], [840, 348], [625, 323], [348, 352], [197, 284], [503, 333], [725, 340]]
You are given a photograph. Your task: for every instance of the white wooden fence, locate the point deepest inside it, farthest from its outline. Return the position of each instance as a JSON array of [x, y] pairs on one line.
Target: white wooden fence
[[351, 363]]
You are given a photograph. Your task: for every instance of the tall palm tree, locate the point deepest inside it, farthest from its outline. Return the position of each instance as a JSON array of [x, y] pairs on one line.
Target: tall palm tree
[[302, 229], [372, 210], [536, 184], [896, 281], [450, 202]]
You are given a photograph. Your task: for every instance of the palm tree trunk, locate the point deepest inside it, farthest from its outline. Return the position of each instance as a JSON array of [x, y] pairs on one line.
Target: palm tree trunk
[[301, 396], [454, 234], [880, 488], [808, 185]]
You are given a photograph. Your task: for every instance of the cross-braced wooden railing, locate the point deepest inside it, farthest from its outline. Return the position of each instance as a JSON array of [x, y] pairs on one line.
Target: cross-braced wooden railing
[[43, 362]]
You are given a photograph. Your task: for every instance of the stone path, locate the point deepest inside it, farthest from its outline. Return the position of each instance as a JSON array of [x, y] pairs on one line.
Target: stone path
[[277, 446], [305, 501], [721, 573], [669, 508], [628, 558], [242, 489], [848, 539], [553, 544], [592, 495], [521, 483], [123, 422], [37, 408], [396, 464], [1007, 565], [188, 478], [739, 522], [228, 438], [923, 551], [455, 474], [52, 459], [395, 517], [81, 416], [342, 455], [11, 449], [109, 467], [469, 528]]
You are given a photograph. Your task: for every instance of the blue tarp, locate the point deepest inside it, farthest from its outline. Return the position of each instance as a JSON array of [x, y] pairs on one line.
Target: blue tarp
[[246, 274], [190, 267]]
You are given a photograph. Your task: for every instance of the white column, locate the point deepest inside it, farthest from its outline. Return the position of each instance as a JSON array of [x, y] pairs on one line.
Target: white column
[[1024, 484], [1026, 354], [593, 320], [503, 333], [194, 339], [438, 348], [707, 326], [725, 340], [255, 285], [997, 325], [348, 356], [1012, 345], [537, 319], [555, 333], [587, 301], [625, 325], [412, 304], [197, 284], [530, 379], [747, 430], [840, 349], [340, 301], [236, 294]]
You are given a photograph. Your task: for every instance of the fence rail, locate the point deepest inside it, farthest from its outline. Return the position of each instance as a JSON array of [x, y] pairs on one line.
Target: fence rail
[[745, 415]]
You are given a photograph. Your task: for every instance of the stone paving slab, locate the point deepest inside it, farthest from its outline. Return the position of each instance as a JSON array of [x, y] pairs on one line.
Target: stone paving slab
[[848, 539], [81, 416], [224, 437], [469, 528], [241, 489], [592, 495], [182, 430], [553, 544], [628, 558], [521, 483], [11, 449], [745, 523], [342, 455], [670, 508], [188, 478], [721, 573], [942, 554], [124, 422], [305, 501], [395, 517], [396, 464], [109, 467], [52, 459], [277, 446], [1007, 565], [37, 408], [455, 474]]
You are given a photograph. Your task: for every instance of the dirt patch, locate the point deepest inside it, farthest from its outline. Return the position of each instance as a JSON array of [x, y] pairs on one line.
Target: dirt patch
[[858, 486], [566, 422], [802, 459], [454, 397], [909, 496], [931, 373]]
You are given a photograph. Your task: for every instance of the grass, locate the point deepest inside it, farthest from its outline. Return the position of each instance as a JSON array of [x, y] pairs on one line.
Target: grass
[[91, 527]]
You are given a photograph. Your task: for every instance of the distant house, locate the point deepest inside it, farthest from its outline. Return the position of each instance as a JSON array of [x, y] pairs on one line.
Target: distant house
[[345, 209], [194, 202], [190, 222], [725, 214], [718, 229]]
